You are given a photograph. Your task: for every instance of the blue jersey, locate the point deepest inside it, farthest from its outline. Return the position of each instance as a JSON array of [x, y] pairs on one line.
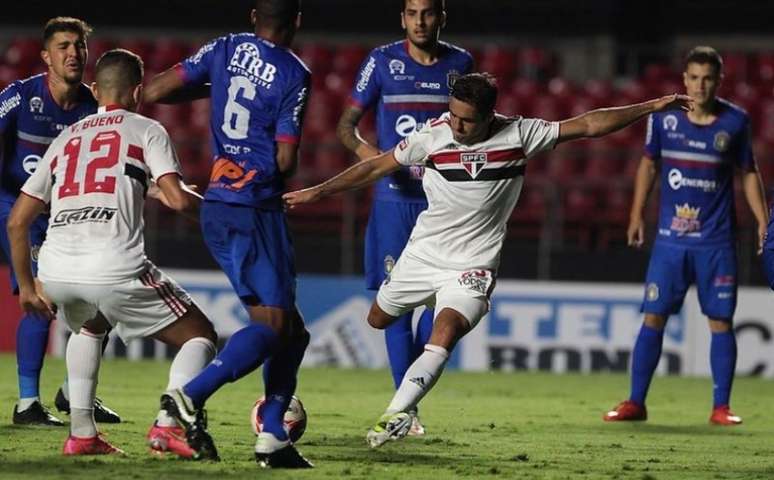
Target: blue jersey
[[697, 171], [30, 120], [258, 95], [406, 95]]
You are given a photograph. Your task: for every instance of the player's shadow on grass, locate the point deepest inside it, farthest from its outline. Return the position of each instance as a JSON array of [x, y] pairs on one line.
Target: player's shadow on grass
[[353, 448], [655, 428]]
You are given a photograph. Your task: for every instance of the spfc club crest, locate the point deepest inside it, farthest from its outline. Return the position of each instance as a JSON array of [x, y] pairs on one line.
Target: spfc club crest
[[473, 162]]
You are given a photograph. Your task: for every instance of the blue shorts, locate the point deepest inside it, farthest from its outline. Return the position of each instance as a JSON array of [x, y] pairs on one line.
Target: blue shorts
[[673, 269], [37, 235], [254, 249], [389, 228]]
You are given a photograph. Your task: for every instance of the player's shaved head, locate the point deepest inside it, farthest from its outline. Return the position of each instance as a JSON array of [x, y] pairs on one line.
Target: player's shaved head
[[118, 70], [704, 55], [65, 24], [438, 5], [278, 14], [477, 89]]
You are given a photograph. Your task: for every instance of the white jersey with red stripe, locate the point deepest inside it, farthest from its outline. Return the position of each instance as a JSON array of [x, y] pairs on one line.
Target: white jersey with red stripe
[[471, 189], [95, 176]]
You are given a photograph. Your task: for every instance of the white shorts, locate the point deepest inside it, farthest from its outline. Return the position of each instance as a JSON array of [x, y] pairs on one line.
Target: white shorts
[[137, 308], [412, 283]]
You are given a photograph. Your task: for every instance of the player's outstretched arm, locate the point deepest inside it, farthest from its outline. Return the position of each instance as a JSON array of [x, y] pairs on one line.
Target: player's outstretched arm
[[756, 199], [603, 121], [170, 87], [349, 135], [358, 175], [24, 212], [643, 185]]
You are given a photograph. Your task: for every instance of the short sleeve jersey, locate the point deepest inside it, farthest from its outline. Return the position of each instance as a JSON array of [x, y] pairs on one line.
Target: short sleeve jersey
[[697, 165], [30, 120], [471, 189], [406, 94], [95, 176], [258, 97]]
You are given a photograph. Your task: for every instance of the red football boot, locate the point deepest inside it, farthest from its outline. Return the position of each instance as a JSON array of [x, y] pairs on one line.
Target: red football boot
[[90, 446], [169, 439], [627, 411], [723, 415]]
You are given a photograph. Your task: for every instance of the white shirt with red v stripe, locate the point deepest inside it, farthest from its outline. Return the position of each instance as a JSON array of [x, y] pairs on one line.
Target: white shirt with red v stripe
[[95, 176], [471, 189]]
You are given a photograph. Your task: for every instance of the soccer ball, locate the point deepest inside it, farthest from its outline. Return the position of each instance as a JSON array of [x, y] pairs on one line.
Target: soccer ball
[[295, 418]]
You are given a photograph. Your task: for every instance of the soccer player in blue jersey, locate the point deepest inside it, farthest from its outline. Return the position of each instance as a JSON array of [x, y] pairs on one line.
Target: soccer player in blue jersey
[[33, 112], [408, 83], [694, 156], [258, 91]]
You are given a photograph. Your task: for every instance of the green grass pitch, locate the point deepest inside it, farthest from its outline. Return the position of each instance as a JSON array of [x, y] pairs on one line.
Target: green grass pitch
[[480, 425]]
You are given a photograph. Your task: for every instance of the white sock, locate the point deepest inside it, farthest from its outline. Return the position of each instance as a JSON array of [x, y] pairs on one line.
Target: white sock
[[25, 403], [84, 353], [419, 379], [193, 356]]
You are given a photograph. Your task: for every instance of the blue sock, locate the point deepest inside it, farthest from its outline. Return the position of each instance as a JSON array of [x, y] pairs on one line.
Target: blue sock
[[723, 363], [280, 380], [424, 330], [647, 351], [31, 343], [245, 351], [400, 347]]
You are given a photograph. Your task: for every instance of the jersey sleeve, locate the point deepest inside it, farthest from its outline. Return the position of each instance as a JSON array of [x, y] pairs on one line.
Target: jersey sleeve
[[414, 149], [196, 68], [10, 100], [537, 135], [652, 139], [292, 110], [160, 155], [41, 182], [368, 88], [745, 159], [467, 67]]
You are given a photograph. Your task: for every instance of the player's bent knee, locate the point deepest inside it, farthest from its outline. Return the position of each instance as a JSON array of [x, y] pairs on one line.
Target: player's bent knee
[[377, 318], [653, 320]]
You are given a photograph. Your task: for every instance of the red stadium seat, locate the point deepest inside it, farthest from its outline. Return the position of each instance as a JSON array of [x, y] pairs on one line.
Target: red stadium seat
[[763, 68], [23, 53], [98, 46], [499, 61], [319, 58], [536, 63], [348, 58], [166, 53]]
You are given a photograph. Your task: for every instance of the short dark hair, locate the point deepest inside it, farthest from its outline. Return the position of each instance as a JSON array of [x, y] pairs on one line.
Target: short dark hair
[[65, 24], [118, 69], [704, 55], [439, 5], [279, 14], [477, 89]]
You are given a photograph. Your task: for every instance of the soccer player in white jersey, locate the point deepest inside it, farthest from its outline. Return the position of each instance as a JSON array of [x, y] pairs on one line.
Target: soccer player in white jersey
[[92, 265], [475, 161]]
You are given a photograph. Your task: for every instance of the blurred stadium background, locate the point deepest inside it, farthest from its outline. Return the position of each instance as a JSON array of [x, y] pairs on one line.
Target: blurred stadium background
[[553, 60]]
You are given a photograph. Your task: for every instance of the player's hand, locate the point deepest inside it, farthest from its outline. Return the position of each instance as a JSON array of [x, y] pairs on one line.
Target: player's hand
[[674, 102], [32, 302], [635, 234], [299, 197]]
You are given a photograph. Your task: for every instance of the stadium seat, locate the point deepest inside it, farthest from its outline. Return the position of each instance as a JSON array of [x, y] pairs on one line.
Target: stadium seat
[[499, 61], [348, 58]]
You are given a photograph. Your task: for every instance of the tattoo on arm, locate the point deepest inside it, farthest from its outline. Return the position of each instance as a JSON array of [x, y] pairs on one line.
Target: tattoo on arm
[[347, 128]]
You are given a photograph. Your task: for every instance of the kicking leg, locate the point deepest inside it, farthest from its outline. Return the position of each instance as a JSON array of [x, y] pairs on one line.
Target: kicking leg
[[450, 326]]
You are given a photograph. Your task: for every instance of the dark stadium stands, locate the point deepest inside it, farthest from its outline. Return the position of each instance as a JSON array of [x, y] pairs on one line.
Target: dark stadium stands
[[581, 192]]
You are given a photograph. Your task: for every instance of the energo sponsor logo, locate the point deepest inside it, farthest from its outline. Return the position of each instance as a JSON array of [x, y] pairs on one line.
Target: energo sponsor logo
[[677, 181]]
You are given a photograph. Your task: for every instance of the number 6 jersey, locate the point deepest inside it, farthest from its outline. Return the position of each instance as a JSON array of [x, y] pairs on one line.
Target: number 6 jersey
[[95, 176], [258, 95]]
